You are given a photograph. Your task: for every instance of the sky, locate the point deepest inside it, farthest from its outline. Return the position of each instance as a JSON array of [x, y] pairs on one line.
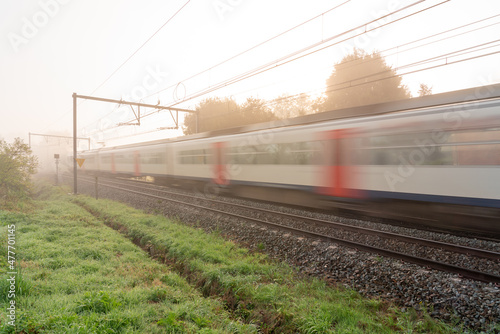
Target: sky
[[179, 52]]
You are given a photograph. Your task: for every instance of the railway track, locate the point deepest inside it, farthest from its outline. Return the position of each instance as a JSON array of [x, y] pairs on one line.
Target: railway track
[[427, 253]]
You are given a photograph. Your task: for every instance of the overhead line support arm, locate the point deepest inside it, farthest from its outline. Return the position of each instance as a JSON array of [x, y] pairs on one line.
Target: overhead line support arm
[[138, 104], [138, 116]]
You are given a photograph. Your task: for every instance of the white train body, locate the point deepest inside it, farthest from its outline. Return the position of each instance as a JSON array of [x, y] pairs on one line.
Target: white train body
[[448, 154]]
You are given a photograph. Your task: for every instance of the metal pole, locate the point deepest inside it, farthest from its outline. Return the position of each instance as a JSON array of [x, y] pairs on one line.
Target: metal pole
[[57, 172], [75, 185], [96, 188]]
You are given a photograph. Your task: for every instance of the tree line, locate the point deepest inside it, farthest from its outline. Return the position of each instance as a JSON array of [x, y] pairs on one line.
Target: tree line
[[358, 79]]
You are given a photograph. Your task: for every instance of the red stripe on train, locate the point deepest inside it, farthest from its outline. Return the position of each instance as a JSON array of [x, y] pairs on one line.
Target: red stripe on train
[[137, 163], [221, 176], [338, 171]]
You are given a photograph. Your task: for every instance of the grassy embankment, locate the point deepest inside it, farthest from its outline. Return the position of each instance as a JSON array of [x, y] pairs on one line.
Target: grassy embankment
[[80, 276], [77, 275]]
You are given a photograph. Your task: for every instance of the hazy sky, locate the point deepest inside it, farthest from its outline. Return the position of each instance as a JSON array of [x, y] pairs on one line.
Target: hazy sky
[[52, 48]]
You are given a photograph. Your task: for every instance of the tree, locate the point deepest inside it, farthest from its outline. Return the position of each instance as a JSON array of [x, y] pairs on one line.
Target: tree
[[294, 106], [363, 79], [216, 113], [212, 114], [17, 165], [254, 111], [424, 90]]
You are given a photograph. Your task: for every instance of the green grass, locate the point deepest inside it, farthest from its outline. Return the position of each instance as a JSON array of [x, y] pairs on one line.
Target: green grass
[[253, 288], [148, 274], [76, 275]]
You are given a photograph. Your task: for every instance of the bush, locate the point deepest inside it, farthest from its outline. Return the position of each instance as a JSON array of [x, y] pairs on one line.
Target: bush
[[17, 165]]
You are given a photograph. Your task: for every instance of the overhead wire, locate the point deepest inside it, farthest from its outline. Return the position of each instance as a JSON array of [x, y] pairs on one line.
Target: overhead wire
[[406, 66], [454, 54], [350, 63], [442, 57], [283, 60], [140, 47], [126, 60], [381, 79], [427, 68], [365, 81], [243, 52], [269, 66], [278, 63], [310, 46], [252, 48], [101, 118]]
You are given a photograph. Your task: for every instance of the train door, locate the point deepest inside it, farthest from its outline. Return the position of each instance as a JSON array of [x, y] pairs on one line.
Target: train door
[[221, 176], [338, 177], [137, 163]]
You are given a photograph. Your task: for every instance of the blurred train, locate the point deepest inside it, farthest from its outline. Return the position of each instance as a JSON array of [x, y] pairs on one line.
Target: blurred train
[[433, 160]]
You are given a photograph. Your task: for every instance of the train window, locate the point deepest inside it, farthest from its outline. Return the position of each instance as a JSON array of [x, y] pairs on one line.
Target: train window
[[120, 159], [418, 156], [422, 148], [299, 153], [242, 155], [318, 152], [194, 157], [460, 147], [153, 158], [479, 147], [288, 154], [266, 154], [476, 136], [124, 159], [478, 155], [106, 159]]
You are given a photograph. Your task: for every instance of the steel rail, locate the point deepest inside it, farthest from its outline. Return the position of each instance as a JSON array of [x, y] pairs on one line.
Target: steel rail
[[481, 253]]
